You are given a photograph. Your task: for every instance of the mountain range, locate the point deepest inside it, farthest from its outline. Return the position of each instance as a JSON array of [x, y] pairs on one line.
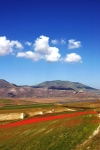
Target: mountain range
[[45, 89], [58, 84]]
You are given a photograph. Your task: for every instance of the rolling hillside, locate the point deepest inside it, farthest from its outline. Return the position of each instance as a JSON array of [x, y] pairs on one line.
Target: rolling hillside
[[46, 89], [5, 84], [64, 84]]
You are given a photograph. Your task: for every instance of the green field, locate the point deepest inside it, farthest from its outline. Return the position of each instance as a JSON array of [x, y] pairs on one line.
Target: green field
[[26, 106], [61, 134], [5, 100]]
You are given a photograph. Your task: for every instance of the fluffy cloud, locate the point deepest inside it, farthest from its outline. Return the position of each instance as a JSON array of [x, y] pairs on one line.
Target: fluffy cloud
[[7, 46], [73, 44], [73, 58], [53, 55], [28, 43], [41, 45], [30, 55], [42, 50]]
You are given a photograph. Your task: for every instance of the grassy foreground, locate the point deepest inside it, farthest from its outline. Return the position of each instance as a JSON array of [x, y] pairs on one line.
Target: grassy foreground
[[60, 134]]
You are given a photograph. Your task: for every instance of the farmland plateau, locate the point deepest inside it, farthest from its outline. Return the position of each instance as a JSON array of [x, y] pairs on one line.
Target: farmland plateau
[[62, 129], [56, 117]]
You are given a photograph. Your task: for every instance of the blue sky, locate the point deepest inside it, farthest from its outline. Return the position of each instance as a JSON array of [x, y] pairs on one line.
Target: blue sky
[[50, 40]]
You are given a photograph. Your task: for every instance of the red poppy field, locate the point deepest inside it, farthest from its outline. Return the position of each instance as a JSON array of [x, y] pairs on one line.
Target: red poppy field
[[48, 118], [57, 132]]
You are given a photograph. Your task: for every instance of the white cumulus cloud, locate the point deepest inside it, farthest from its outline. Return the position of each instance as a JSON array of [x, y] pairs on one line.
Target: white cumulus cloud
[[7, 46], [53, 55], [72, 43], [41, 45], [73, 58], [28, 43], [30, 55], [42, 50]]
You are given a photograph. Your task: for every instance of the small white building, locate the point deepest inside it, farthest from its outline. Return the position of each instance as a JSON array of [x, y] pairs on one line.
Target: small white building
[[81, 91]]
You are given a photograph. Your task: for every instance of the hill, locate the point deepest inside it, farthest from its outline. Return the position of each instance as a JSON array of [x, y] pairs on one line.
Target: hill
[[47, 89], [5, 84], [58, 84]]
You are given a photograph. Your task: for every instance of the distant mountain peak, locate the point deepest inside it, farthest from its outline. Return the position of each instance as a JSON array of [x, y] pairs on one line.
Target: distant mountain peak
[[44, 89], [65, 84], [6, 84]]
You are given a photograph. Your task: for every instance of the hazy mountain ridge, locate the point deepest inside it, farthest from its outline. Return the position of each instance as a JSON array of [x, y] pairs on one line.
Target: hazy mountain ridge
[[55, 88], [64, 84], [5, 84]]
